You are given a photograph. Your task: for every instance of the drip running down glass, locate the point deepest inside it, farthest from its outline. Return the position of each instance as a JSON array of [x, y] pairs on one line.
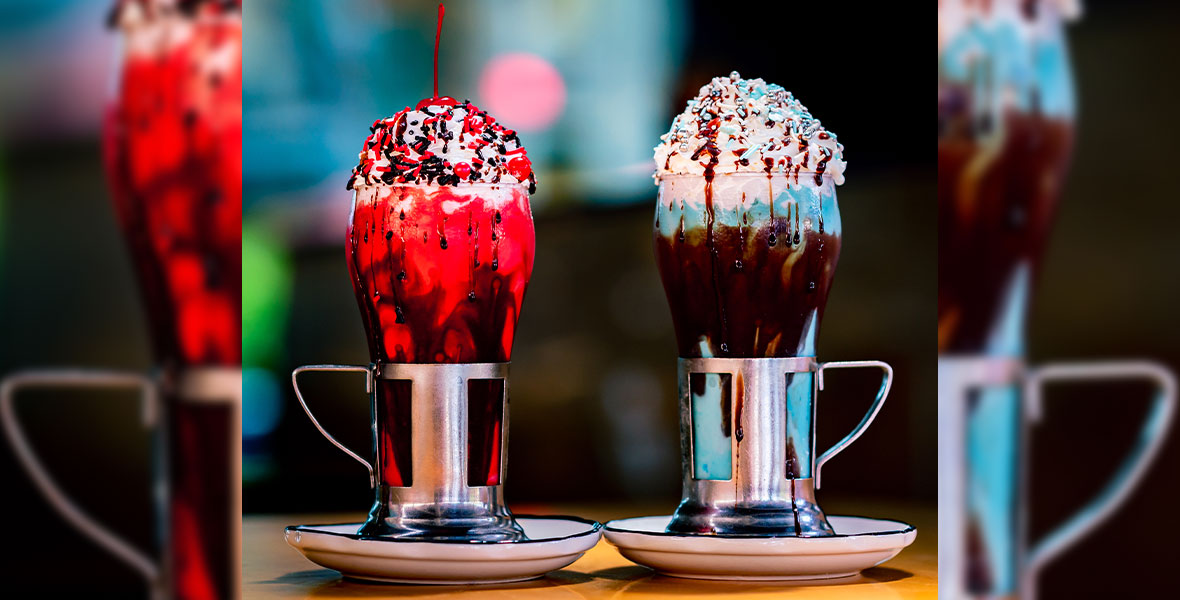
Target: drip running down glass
[[439, 274], [747, 260]]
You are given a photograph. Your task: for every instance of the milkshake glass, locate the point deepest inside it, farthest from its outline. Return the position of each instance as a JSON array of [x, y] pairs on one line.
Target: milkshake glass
[[440, 248], [1005, 129], [1005, 132], [173, 153], [747, 236]]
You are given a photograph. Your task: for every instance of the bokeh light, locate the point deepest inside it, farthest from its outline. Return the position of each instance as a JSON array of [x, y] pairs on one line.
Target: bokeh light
[[266, 300], [523, 91], [262, 411], [263, 406]]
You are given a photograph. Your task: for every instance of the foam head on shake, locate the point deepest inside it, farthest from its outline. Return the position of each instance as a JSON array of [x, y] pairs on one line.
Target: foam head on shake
[[747, 230], [737, 125]]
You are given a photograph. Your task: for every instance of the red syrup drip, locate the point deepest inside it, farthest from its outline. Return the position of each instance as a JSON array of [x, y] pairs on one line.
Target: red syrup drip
[[426, 301], [172, 149], [427, 314], [173, 156], [437, 100], [442, 11]]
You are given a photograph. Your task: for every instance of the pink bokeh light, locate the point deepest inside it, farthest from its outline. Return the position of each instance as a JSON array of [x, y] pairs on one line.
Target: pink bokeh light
[[523, 91]]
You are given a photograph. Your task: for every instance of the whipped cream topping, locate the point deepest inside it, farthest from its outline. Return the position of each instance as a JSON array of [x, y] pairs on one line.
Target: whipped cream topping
[[152, 28], [444, 142], [1004, 55], [955, 16], [129, 14], [737, 125]]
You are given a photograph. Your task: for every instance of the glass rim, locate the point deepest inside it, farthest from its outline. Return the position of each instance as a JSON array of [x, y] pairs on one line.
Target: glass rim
[[231, 16], [762, 174], [461, 185]]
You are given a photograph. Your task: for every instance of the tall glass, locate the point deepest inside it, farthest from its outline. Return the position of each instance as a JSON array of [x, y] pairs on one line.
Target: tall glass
[[747, 260], [1005, 132], [440, 274], [173, 155], [173, 152]]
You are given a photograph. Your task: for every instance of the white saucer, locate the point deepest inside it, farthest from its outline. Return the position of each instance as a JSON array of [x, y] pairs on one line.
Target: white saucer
[[553, 543], [859, 543]]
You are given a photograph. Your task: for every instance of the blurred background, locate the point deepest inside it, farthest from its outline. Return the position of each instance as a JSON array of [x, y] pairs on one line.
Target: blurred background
[[593, 407], [1109, 289], [68, 296], [590, 86]]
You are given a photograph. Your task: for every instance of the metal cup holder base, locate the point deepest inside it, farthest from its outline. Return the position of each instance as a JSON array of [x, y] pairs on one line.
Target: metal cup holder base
[[799, 516], [438, 502], [758, 469], [452, 522]]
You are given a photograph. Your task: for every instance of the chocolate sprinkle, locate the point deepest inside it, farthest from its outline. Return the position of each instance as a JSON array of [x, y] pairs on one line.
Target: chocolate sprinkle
[[401, 149]]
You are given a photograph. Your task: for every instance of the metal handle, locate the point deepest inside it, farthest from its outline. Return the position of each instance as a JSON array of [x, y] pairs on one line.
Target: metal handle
[[45, 483], [882, 393], [368, 371], [1147, 446]]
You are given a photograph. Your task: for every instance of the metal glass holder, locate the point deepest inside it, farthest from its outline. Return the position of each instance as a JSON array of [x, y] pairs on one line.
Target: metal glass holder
[[761, 498], [439, 504]]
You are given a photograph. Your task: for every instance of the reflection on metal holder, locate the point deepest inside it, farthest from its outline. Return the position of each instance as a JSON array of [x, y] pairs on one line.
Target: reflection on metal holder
[[438, 504], [768, 406]]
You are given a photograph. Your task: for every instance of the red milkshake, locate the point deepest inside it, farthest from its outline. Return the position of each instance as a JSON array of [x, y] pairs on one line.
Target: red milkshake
[[440, 248], [173, 151]]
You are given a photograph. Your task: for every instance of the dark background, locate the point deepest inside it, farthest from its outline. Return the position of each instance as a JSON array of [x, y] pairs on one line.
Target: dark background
[[1109, 288], [593, 404], [594, 415], [593, 392]]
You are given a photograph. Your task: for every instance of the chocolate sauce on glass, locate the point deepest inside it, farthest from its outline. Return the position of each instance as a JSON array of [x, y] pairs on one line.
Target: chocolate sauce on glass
[[995, 207], [1005, 131], [736, 287]]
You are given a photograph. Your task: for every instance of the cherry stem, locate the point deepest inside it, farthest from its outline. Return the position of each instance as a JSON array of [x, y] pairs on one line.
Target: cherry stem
[[437, 34]]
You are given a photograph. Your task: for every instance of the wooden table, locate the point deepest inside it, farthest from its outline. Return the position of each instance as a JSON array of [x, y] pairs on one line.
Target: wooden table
[[272, 569]]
